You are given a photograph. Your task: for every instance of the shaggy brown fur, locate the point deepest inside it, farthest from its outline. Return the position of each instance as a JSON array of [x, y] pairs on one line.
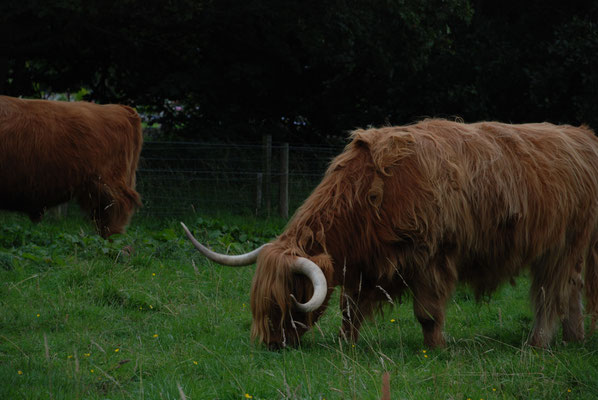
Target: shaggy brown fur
[[53, 151], [417, 209]]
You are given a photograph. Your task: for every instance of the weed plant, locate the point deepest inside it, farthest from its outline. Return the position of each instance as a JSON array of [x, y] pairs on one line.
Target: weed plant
[[146, 317]]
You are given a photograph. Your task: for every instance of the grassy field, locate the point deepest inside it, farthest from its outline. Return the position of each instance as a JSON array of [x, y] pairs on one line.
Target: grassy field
[[81, 318]]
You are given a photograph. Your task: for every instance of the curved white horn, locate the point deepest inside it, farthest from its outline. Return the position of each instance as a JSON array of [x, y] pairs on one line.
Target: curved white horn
[[316, 276], [232, 261]]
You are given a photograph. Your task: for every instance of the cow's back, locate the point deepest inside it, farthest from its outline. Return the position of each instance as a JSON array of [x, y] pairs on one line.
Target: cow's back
[[493, 198]]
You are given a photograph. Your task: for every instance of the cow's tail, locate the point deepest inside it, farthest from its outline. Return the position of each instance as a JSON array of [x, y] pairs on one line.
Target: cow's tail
[[591, 285]]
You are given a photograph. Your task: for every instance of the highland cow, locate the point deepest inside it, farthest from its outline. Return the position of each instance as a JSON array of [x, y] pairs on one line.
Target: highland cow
[[51, 152], [414, 210]]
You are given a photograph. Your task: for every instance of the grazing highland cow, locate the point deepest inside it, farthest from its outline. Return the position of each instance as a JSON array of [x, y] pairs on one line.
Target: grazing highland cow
[[417, 209], [53, 151]]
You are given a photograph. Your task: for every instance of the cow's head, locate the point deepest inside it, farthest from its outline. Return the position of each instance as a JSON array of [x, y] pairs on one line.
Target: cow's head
[[288, 292]]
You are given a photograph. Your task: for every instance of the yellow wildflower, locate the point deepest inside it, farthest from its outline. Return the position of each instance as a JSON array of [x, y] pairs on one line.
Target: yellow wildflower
[[116, 350], [20, 372], [248, 396], [155, 335]]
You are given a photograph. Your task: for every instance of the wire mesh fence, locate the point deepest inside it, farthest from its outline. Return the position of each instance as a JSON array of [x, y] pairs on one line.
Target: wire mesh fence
[[176, 178]]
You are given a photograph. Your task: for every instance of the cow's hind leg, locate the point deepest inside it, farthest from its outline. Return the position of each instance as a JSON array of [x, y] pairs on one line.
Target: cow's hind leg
[[591, 284]]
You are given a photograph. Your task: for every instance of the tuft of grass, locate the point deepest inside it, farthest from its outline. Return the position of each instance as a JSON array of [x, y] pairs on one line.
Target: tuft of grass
[[146, 317]]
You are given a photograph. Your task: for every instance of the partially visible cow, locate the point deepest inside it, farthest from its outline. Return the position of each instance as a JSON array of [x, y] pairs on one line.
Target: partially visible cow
[[413, 210], [52, 151]]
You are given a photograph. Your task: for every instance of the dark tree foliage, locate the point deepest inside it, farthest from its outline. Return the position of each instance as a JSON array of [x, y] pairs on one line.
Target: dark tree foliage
[[128, 50], [304, 70], [528, 61], [308, 70]]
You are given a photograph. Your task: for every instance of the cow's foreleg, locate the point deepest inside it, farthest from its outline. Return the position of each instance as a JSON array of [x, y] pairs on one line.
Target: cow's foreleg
[[352, 316], [573, 322], [545, 299], [431, 291], [544, 326], [429, 310]]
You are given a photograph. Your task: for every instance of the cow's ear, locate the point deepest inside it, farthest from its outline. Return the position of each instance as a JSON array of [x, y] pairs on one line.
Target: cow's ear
[[362, 138], [390, 148], [387, 146]]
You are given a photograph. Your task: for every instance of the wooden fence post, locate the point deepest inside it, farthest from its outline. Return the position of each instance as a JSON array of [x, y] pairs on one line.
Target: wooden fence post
[[59, 211], [284, 181], [258, 193], [267, 171]]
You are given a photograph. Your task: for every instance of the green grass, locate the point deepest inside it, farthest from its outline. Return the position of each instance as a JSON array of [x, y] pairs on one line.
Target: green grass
[[81, 319]]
